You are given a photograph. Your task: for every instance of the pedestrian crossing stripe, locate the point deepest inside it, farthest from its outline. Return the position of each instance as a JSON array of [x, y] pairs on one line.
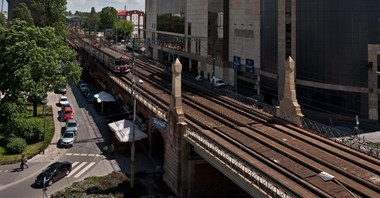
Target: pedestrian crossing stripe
[[84, 170], [79, 168], [84, 154]]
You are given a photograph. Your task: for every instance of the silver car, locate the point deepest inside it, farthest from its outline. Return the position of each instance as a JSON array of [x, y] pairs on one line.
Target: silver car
[[71, 125], [67, 139]]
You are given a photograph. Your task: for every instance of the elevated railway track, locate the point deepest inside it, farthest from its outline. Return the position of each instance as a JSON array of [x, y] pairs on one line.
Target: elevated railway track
[[278, 158]]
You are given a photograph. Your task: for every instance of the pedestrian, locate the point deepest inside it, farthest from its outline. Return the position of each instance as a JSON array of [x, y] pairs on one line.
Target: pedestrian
[[356, 132], [111, 150], [24, 162]]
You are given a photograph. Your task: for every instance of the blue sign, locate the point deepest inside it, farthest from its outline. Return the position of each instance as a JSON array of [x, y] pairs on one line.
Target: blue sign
[[249, 65], [160, 124], [237, 62]]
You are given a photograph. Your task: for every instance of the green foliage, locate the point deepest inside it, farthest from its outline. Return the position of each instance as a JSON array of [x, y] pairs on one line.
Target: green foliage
[[124, 28], [49, 13], [22, 12], [16, 145], [3, 20], [169, 23], [108, 17], [61, 29], [34, 60], [31, 129], [93, 20], [10, 110]]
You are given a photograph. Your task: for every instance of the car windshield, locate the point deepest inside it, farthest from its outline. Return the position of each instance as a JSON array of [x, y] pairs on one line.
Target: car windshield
[[219, 81], [48, 170], [63, 99], [68, 135], [71, 124]]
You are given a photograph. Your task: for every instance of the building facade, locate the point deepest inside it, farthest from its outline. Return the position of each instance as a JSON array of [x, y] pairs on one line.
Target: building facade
[[137, 18], [334, 44]]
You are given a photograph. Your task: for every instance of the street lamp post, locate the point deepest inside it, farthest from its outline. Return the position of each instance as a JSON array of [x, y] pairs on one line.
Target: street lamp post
[[44, 102], [132, 184]]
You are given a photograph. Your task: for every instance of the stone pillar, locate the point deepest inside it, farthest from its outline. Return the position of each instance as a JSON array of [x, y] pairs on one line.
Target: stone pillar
[[289, 108], [177, 127], [281, 46], [373, 94]]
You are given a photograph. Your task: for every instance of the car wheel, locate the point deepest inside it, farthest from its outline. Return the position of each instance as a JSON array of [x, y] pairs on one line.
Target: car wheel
[[50, 182], [67, 172]]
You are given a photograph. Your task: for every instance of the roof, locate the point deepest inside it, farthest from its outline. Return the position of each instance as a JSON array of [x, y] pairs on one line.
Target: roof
[[68, 109], [121, 12], [72, 17]]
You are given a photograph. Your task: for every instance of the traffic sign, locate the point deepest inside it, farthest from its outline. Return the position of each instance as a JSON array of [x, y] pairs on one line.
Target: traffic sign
[[160, 124], [249, 65], [237, 62]]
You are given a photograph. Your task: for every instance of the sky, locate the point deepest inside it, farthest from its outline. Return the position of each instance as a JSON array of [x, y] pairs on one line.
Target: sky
[[85, 5]]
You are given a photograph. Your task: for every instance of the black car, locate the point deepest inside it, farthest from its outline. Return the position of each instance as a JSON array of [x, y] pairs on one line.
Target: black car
[[62, 90], [53, 173]]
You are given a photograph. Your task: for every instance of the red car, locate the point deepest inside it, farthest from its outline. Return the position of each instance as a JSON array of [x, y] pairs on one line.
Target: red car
[[67, 113]]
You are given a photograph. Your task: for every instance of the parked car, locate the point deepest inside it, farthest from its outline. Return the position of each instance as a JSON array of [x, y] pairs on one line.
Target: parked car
[[67, 139], [80, 82], [63, 100], [90, 98], [53, 173], [86, 91], [83, 87], [198, 78], [219, 83], [62, 90], [67, 113], [65, 105], [71, 124]]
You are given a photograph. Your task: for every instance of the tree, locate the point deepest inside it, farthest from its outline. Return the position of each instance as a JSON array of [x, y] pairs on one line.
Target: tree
[[108, 17], [34, 61], [125, 28], [3, 20], [93, 20], [49, 12], [22, 12]]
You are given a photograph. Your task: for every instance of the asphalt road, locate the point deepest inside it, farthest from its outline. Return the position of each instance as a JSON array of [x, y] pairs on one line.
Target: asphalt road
[[86, 154]]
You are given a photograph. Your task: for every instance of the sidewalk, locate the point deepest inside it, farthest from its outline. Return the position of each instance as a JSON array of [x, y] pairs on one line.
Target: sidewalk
[[11, 173]]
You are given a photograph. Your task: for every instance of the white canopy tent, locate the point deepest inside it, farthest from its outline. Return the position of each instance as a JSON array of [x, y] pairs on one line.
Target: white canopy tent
[[123, 131], [104, 97]]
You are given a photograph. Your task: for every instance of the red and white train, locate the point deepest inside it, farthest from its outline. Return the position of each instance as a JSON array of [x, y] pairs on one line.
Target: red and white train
[[112, 59]]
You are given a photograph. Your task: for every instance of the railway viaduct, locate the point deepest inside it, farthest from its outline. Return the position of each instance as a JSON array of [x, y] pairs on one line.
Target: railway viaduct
[[198, 162]]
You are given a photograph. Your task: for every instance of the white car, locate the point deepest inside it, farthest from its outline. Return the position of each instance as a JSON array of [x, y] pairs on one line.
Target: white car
[[198, 78], [63, 100]]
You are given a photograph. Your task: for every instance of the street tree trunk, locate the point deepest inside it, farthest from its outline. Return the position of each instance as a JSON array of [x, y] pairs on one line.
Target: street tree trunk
[[35, 104]]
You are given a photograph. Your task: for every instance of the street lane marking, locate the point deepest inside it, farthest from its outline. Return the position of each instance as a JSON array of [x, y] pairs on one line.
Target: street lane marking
[[84, 170], [84, 154], [77, 168]]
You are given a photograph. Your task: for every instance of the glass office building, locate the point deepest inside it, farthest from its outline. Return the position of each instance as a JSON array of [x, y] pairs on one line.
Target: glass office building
[[332, 48]]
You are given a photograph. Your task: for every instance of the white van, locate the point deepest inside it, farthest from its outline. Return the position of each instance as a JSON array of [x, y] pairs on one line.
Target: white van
[[218, 83]]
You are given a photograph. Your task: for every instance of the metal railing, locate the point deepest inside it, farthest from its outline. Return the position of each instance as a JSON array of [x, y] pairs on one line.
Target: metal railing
[[236, 164], [355, 142]]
